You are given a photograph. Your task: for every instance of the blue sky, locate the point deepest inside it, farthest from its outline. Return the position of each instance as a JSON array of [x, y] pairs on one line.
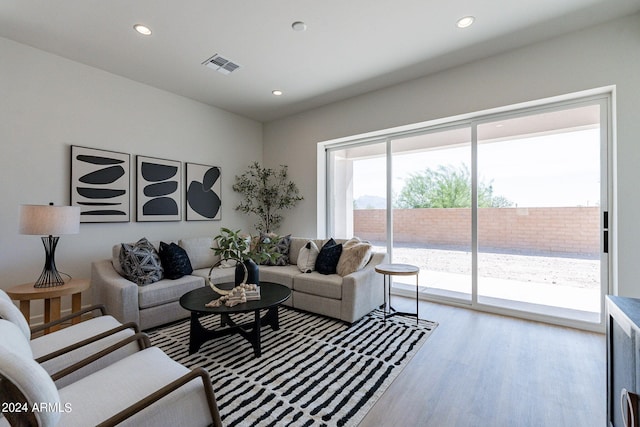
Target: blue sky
[[551, 170]]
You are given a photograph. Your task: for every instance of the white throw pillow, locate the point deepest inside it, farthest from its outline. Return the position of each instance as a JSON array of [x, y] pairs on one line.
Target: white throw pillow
[[307, 257]]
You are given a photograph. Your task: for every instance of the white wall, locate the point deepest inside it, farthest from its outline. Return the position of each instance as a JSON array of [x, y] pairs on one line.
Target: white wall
[[608, 54], [48, 103]]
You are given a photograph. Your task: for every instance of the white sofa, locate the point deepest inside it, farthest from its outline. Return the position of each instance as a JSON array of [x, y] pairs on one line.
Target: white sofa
[[347, 298]]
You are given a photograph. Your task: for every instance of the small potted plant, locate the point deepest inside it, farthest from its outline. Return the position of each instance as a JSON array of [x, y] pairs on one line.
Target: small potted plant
[[237, 247]]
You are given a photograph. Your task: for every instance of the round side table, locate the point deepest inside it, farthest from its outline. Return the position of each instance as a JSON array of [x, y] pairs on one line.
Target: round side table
[[25, 293], [388, 270]]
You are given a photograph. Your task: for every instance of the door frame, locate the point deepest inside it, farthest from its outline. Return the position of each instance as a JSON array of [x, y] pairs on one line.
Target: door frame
[[604, 96]]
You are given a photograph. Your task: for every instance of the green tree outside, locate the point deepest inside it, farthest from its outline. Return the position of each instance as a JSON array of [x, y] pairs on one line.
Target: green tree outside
[[446, 187]]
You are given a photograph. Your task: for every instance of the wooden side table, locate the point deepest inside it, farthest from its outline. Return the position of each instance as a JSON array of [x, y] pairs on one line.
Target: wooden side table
[[25, 293], [388, 270]]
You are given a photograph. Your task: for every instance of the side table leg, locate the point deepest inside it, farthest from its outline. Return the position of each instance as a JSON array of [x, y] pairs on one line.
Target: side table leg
[[76, 305], [25, 308], [51, 313], [387, 297], [417, 310]]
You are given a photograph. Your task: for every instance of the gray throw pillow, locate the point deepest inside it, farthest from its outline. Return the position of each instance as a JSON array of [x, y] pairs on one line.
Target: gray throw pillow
[[140, 262]]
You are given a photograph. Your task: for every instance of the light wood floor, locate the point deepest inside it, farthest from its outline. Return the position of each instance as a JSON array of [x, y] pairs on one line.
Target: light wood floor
[[479, 369]]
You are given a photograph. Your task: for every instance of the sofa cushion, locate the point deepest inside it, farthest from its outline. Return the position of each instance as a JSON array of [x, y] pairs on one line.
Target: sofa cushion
[[166, 291], [276, 274], [307, 257], [175, 261], [218, 274], [329, 286], [199, 251], [328, 257], [355, 255], [140, 262]]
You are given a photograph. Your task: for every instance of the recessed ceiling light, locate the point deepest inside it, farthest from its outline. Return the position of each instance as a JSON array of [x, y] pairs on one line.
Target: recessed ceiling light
[[276, 92], [299, 26], [465, 21], [142, 29]]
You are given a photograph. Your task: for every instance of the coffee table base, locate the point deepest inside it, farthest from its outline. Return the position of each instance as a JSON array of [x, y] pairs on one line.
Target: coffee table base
[[198, 334]]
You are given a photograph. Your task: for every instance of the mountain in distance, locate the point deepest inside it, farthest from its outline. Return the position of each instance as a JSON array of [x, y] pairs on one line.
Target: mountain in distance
[[370, 202]]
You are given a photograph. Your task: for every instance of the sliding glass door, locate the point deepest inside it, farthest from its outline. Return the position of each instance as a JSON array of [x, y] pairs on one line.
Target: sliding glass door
[[503, 212], [357, 192], [539, 212], [431, 188]]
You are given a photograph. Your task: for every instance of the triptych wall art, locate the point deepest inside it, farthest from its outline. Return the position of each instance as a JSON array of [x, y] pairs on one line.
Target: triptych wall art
[[203, 192], [101, 183], [158, 191]]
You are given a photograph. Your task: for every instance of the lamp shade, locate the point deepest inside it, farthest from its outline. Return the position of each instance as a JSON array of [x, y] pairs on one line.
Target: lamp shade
[[49, 220]]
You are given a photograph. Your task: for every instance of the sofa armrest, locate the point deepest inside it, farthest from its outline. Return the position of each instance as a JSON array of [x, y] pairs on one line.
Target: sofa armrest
[[118, 294], [362, 291]]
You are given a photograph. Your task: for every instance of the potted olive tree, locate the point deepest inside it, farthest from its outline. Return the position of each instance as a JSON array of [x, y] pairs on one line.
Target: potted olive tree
[[266, 193]]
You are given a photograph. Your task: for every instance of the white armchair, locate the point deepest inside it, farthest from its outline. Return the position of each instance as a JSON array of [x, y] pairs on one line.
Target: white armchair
[[61, 349], [144, 389]]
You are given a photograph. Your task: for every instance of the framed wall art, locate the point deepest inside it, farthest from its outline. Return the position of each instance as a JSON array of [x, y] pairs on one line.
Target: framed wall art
[[100, 184], [158, 189], [203, 197]]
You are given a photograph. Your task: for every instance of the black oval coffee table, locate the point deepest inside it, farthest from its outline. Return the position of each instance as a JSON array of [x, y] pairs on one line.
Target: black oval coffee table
[[271, 296]]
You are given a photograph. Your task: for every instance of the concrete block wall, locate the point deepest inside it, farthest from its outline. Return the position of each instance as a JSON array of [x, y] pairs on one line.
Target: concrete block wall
[[564, 229]]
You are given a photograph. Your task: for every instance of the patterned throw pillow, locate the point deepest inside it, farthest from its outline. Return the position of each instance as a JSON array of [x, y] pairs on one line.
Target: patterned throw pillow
[[328, 257], [140, 262], [175, 261], [280, 247]]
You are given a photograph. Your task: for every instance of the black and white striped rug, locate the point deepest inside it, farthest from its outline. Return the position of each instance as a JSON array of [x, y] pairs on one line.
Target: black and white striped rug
[[314, 371]]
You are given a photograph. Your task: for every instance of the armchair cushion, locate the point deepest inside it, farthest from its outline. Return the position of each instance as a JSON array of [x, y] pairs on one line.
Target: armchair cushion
[[14, 339], [26, 377], [10, 312], [4, 296], [130, 380], [50, 343]]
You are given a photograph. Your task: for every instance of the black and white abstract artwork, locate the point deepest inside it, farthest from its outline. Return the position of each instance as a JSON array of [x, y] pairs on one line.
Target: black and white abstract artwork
[[100, 184], [203, 193], [158, 189]]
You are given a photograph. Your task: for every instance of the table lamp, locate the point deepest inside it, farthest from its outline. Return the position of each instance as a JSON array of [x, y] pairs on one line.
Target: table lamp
[[49, 221]]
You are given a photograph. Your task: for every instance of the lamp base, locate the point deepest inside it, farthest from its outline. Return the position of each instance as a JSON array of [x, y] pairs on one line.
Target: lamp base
[[49, 276]]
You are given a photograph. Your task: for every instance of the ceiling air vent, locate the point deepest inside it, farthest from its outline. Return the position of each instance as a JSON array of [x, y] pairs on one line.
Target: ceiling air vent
[[221, 64]]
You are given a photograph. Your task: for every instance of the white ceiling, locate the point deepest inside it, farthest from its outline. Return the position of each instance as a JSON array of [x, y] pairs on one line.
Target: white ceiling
[[350, 47]]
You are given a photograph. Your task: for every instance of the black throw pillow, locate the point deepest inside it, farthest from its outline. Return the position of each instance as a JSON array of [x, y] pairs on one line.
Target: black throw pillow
[[175, 261], [328, 257]]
